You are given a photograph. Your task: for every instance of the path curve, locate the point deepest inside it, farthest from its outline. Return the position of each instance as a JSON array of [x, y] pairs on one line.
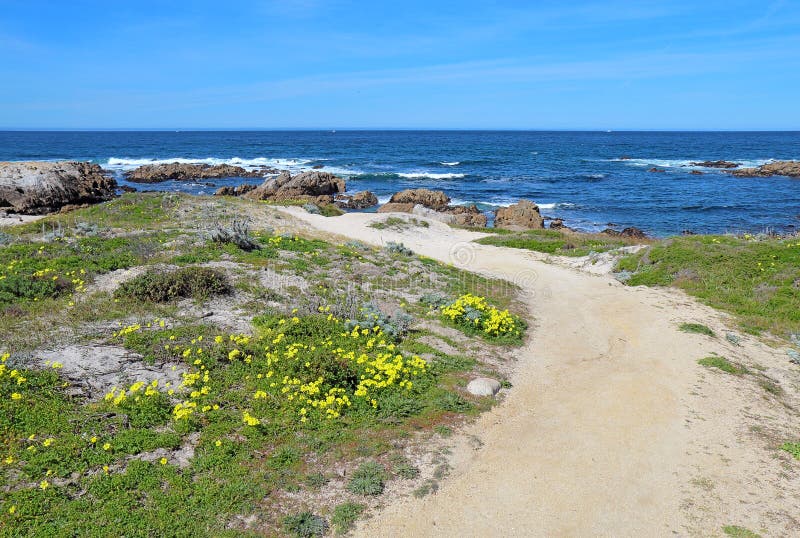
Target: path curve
[[594, 438]]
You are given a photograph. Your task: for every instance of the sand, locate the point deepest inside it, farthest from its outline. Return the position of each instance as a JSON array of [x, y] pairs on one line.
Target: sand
[[611, 427]]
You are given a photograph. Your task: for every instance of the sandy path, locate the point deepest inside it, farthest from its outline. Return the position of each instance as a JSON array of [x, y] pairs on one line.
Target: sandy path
[[611, 428]]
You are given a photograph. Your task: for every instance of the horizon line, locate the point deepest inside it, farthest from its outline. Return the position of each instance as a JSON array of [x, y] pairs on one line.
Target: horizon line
[[377, 129]]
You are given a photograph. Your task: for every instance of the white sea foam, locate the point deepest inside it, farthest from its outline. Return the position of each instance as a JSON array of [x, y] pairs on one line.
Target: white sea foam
[[454, 163], [294, 165], [687, 163], [429, 175]]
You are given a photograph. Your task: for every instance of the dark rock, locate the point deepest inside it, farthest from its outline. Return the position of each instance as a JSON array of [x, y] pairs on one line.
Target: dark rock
[[524, 215], [359, 200], [687, 232], [696, 173], [235, 191], [634, 233], [128, 188], [304, 186], [318, 166], [657, 170], [715, 164], [157, 173], [557, 224], [36, 187], [625, 158], [777, 168], [437, 200]]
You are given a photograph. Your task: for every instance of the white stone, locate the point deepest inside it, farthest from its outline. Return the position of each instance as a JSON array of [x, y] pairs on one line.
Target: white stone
[[483, 386]]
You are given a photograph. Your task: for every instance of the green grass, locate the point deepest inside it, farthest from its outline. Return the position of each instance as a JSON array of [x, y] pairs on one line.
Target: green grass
[[739, 532], [557, 242], [757, 280], [696, 328], [721, 363]]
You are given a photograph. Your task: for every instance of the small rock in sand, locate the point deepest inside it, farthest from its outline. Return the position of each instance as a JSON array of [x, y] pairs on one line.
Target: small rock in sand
[[483, 386]]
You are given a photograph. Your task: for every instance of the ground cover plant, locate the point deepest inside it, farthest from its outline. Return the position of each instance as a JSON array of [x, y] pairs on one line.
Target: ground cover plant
[[754, 277], [248, 400], [558, 242]]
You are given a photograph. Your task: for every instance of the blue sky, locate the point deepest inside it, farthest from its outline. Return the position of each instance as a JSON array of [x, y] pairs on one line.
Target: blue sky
[[413, 64]]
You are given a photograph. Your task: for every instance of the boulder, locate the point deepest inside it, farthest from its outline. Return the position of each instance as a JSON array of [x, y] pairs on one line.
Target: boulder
[[359, 200], [157, 173], [437, 200], [36, 187], [394, 207], [235, 191], [715, 164], [557, 224], [303, 186], [777, 168], [696, 173], [657, 170], [483, 386], [524, 215], [632, 232]]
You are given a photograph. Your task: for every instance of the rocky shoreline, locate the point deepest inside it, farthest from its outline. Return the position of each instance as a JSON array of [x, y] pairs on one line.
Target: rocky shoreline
[[38, 188]]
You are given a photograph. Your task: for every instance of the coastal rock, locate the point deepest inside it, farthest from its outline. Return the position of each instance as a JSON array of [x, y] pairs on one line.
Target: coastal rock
[[157, 173], [657, 170], [359, 200], [483, 386], [524, 215], [36, 188], [557, 224], [304, 186], [437, 200], [696, 173], [631, 232], [715, 164], [394, 207], [235, 191], [467, 216], [777, 168]]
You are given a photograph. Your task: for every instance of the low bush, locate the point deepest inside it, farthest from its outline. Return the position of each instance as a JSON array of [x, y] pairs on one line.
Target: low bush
[[238, 233], [474, 314], [345, 515], [305, 525], [369, 479], [188, 282]]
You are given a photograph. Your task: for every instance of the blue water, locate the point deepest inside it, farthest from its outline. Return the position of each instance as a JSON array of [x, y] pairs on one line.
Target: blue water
[[577, 176]]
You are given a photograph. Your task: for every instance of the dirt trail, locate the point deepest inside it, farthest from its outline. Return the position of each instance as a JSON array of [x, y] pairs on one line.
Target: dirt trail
[[611, 428]]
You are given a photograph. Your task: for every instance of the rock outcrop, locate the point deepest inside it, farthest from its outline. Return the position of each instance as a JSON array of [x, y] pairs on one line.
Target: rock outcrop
[[314, 186], [394, 207], [436, 200], [36, 187], [657, 170], [484, 386], [359, 200], [777, 168], [631, 232], [715, 164], [524, 215], [235, 191], [157, 173]]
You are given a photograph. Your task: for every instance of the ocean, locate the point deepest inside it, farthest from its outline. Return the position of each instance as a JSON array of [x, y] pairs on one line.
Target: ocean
[[578, 176]]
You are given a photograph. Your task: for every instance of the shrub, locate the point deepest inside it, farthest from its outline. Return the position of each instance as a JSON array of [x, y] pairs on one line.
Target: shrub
[[194, 282], [792, 448], [370, 316], [398, 248], [305, 525], [368, 479], [405, 470], [237, 234], [345, 515], [475, 314]]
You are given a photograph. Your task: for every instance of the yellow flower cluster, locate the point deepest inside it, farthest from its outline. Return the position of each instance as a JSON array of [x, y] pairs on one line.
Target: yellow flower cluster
[[11, 380], [134, 392], [474, 311]]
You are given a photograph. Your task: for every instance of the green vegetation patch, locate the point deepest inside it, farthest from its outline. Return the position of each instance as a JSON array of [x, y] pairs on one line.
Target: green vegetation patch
[[792, 448], [739, 532], [757, 280], [160, 287], [696, 328], [721, 363], [558, 242], [399, 224]]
